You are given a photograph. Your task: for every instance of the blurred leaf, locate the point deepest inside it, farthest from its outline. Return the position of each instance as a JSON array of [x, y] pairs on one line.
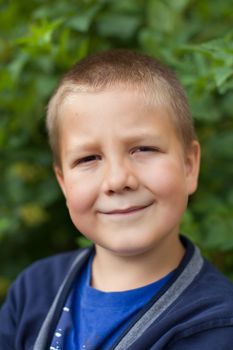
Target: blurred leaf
[[83, 19], [83, 242], [161, 16], [4, 284], [40, 36], [222, 74], [117, 25], [33, 214]]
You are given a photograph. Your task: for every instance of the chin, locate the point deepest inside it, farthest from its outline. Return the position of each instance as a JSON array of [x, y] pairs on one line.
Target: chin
[[126, 250]]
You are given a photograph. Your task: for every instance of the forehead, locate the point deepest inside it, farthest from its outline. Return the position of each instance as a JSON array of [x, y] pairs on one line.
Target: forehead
[[153, 93], [143, 96], [121, 106], [126, 114]]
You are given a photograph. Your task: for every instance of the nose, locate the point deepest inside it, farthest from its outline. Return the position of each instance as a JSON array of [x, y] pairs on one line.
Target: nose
[[119, 177]]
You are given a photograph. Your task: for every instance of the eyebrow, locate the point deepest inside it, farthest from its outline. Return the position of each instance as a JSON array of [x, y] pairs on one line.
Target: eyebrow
[[82, 146], [142, 136], [88, 145]]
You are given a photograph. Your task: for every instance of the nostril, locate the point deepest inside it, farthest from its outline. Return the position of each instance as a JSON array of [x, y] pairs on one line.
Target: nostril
[[119, 178]]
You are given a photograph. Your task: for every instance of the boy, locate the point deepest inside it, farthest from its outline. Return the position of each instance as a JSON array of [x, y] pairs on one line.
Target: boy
[[126, 158]]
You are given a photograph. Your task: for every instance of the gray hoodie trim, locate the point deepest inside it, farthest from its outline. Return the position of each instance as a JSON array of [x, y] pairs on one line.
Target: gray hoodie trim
[[41, 341], [183, 281]]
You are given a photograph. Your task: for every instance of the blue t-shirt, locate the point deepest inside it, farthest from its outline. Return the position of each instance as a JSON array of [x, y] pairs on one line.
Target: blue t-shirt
[[93, 319]]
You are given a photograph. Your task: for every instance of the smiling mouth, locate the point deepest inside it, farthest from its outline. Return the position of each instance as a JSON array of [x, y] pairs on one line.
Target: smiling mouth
[[129, 210]]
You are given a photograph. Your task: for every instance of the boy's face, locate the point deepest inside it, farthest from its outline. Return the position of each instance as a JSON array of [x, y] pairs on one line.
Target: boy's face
[[123, 170]]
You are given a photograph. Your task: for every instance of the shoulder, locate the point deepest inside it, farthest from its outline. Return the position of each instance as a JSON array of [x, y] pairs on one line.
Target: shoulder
[[207, 283], [208, 297], [211, 284], [31, 296], [40, 282], [49, 271], [204, 311], [201, 316], [55, 265]]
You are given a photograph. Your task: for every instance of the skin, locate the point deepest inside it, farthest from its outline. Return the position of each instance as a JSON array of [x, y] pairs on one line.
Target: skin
[[126, 180]]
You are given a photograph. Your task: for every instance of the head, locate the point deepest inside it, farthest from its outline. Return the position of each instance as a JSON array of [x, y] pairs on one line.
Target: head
[[124, 69], [126, 155]]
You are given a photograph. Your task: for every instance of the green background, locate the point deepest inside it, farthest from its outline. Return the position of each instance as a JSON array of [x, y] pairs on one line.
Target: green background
[[39, 40]]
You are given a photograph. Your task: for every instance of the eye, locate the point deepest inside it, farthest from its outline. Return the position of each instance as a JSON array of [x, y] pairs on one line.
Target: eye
[[145, 149], [87, 159]]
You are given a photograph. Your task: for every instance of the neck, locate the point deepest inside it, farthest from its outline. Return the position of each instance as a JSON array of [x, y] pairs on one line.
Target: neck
[[113, 272]]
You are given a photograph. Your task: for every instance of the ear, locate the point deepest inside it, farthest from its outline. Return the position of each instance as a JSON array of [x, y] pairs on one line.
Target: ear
[[192, 164], [60, 178]]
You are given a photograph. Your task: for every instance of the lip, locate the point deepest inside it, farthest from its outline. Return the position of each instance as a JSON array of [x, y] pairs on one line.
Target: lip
[[129, 210]]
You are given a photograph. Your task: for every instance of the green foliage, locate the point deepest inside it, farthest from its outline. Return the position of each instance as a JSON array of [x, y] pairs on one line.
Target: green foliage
[[39, 41]]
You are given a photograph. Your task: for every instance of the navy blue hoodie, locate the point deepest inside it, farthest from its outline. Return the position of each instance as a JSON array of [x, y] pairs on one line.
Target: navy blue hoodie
[[193, 311]]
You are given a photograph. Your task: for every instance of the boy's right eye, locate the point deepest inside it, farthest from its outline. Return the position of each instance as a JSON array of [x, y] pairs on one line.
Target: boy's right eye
[[87, 159]]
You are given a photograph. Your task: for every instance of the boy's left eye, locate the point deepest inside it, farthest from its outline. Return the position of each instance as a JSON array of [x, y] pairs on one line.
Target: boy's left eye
[[145, 149]]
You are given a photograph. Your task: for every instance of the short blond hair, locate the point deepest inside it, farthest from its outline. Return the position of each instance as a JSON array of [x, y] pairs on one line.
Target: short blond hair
[[108, 69]]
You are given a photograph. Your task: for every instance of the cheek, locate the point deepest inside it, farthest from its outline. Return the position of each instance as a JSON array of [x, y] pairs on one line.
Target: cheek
[[166, 180], [80, 197]]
